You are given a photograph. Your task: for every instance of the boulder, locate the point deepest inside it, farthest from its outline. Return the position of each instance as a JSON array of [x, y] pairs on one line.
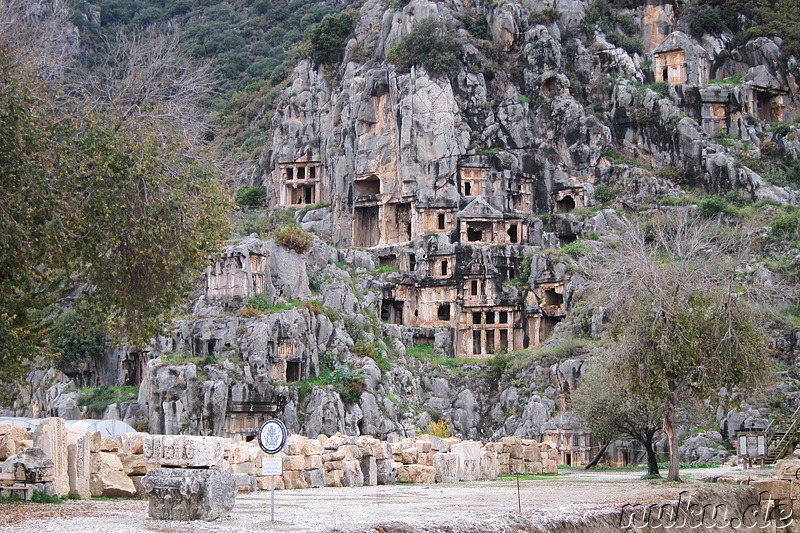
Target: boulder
[[108, 477], [31, 465]]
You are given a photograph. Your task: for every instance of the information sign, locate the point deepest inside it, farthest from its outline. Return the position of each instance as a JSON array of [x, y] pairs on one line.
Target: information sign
[[272, 436], [272, 466]]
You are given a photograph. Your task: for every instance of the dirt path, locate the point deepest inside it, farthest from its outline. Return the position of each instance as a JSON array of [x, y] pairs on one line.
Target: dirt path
[[486, 505]]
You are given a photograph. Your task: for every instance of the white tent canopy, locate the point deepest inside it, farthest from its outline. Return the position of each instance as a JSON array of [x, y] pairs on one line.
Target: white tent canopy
[[107, 428]]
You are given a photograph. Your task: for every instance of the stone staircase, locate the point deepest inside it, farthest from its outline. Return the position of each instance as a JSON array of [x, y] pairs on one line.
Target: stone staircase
[[780, 440]]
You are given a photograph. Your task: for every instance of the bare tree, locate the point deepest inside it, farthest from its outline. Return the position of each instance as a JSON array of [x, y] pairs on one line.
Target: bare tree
[[41, 35], [146, 76], [687, 320]]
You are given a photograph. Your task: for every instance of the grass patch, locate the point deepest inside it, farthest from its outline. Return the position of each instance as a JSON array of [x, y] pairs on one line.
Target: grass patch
[[527, 477], [97, 399]]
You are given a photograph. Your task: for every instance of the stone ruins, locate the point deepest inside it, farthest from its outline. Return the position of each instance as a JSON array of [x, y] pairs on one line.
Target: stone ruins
[[157, 466]]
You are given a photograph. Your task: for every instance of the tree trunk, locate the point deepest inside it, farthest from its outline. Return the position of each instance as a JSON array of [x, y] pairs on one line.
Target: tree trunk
[[652, 461], [598, 456], [672, 439]]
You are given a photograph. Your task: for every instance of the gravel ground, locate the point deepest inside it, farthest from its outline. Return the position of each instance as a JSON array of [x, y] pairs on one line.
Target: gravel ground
[[490, 505]]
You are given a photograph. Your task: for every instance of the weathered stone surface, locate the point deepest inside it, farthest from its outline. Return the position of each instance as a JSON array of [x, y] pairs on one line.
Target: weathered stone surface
[[314, 478], [8, 447], [189, 494], [31, 465], [369, 469], [416, 474], [352, 476], [108, 477], [78, 463], [776, 489], [50, 435], [181, 450], [447, 467], [489, 466]]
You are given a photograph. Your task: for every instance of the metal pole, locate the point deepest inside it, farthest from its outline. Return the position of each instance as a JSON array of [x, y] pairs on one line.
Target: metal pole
[[519, 498], [272, 496]]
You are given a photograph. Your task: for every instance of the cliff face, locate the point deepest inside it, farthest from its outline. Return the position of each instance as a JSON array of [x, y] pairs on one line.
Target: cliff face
[[446, 206]]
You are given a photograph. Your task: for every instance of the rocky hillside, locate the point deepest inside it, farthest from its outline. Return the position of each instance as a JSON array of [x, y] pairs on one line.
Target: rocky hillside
[[451, 174]]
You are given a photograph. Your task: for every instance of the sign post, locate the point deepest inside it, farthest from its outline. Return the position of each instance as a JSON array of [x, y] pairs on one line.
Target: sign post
[[272, 438]]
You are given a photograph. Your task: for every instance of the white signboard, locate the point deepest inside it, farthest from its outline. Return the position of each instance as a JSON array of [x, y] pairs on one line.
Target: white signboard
[[271, 466], [762, 445], [742, 445]]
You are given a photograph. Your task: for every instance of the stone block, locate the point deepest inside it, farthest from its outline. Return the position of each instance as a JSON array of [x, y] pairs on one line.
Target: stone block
[[788, 469], [8, 447], [424, 446], [504, 469], [794, 491], [110, 444], [534, 468], [137, 483], [549, 466], [30, 466], [94, 441], [78, 463], [517, 466], [322, 439], [312, 447], [439, 444], [263, 482], [425, 458], [294, 462], [385, 465], [15, 433], [333, 478], [384, 451], [189, 494], [469, 450], [294, 479], [336, 455], [135, 465], [352, 476], [333, 465], [409, 456], [387, 478], [294, 445], [489, 467], [397, 448], [496, 447], [351, 452], [531, 453], [369, 468], [244, 482], [314, 478], [777, 489], [243, 468], [51, 436], [108, 477], [336, 442], [133, 443], [242, 452], [504, 458], [446, 467], [312, 462], [416, 474], [184, 450], [470, 469]]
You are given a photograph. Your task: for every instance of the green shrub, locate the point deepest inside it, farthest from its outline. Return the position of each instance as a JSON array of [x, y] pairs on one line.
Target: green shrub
[[293, 238], [786, 226], [706, 20], [632, 45], [605, 194], [251, 196], [713, 205], [476, 25], [577, 248], [329, 38], [674, 174], [364, 348], [101, 397], [428, 44], [74, 338]]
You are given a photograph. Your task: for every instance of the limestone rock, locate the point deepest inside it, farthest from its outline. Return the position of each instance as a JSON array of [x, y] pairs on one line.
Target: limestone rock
[[416, 474]]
